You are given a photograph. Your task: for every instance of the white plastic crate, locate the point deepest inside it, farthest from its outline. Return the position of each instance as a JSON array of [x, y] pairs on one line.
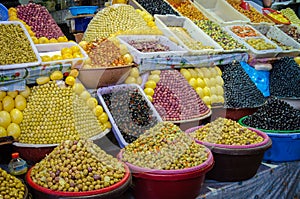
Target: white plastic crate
[[257, 53], [115, 128], [22, 65], [138, 56], [55, 48], [274, 32], [164, 22], [221, 12]]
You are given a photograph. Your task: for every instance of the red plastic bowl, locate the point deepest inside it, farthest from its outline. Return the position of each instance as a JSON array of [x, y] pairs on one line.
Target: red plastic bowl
[[175, 184], [61, 194], [236, 162]]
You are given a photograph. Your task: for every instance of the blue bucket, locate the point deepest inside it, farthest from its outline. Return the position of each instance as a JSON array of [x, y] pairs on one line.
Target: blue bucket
[[3, 13]]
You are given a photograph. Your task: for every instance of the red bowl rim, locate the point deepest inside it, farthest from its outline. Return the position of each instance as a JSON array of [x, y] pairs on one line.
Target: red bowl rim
[[207, 163], [258, 132], [83, 193]]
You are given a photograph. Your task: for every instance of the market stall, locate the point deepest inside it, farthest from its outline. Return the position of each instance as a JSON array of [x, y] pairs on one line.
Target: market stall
[[199, 99]]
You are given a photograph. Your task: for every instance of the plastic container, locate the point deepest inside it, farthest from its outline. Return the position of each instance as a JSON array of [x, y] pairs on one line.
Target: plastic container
[[55, 48], [110, 89], [175, 184], [17, 166], [273, 32], [235, 162], [34, 153], [285, 145], [138, 56], [269, 53], [114, 191], [221, 12], [22, 65], [268, 11], [163, 22], [3, 13], [81, 10]]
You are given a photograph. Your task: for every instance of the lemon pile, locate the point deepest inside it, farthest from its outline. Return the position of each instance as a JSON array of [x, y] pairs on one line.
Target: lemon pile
[[65, 53], [134, 77], [45, 40], [150, 85], [207, 82], [12, 103]]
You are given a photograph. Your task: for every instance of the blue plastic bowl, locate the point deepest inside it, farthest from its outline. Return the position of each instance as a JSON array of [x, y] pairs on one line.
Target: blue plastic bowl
[[3, 13], [81, 10]]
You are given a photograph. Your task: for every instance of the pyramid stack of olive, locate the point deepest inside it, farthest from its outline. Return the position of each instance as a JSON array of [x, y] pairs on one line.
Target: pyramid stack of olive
[[130, 111], [220, 36], [15, 45], [226, 131], [55, 113], [76, 166], [165, 147], [240, 91], [275, 115], [284, 78], [11, 186], [157, 7]]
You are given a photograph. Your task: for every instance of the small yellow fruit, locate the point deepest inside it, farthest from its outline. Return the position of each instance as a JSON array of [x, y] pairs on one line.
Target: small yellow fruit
[[70, 80], [92, 103], [14, 130], [134, 72], [155, 72], [26, 92], [20, 102], [56, 75], [46, 58], [149, 91], [206, 100], [42, 80], [154, 77], [66, 50], [107, 125], [67, 56], [13, 94], [43, 40], [130, 80], [5, 119], [127, 58], [74, 73], [8, 103], [206, 91], [139, 80], [103, 118], [193, 82], [98, 110], [85, 95], [75, 49], [62, 39], [2, 94], [149, 98], [199, 91], [35, 40], [56, 57], [77, 55], [150, 84], [3, 132], [16, 116], [53, 40], [78, 88]]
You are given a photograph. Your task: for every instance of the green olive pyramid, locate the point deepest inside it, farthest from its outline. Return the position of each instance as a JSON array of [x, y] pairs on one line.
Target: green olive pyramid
[[55, 113]]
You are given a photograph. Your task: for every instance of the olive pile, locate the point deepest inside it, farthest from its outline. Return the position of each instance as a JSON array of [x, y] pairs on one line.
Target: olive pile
[[284, 78], [76, 166], [175, 99], [15, 46], [260, 44], [110, 20], [130, 111], [188, 10], [292, 31], [54, 114], [226, 131], [164, 147], [240, 91], [10, 186], [219, 35], [157, 7], [275, 115], [252, 13], [148, 45]]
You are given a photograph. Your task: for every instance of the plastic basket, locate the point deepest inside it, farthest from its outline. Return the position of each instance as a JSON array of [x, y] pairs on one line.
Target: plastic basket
[[3, 13], [81, 10]]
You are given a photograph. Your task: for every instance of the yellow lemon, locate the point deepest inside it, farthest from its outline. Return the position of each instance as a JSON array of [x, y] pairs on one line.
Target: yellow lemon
[[150, 84], [3, 132], [149, 98], [14, 130], [157, 72], [5, 119], [35, 40], [154, 77], [214, 99], [43, 40], [206, 91], [56, 75], [66, 50], [42, 80], [134, 72], [199, 91], [127, 58], [62, 39], [130, 80], [151, 24], [13, 94], [46, 58], [16, 116], [8, 103], [2, 94], [103, 118], [78, 88], [98, 110], [77, 55], [75, 49], [53, 40], [200, 83], [20, 102], [70, 80], [85, 95], [107, 125], [206, 100], [56, 57], [149, 91], [187, 75], [139, 80], [67, 56], [92, 102], [193, 82], [74, 73], [148, 18]]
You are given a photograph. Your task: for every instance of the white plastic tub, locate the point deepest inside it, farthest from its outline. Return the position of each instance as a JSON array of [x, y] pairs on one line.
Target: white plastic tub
[[164, 22], [22, 65], [138, 56], [55, 48], [221, 12], [274, 32]]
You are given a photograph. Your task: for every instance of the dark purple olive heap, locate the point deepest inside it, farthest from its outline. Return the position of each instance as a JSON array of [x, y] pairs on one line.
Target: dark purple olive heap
[[239, 90], [175, 99], [275, 115], [148, 45], [40, 20], [285, 78], [157, 7], [130, 111]]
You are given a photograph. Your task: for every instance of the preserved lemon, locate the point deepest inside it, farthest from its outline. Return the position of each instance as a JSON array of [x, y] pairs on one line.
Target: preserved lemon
[[56, 75], [20, 102], [16, 116], [5, 119], [14, 130], [8, 103], [26, 92], [3, 132], [42, 80], [103, 118], [92, 103], [78, 88], [85, 95], [98, 110], [70, 80], [13, 94], [2, 94]]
